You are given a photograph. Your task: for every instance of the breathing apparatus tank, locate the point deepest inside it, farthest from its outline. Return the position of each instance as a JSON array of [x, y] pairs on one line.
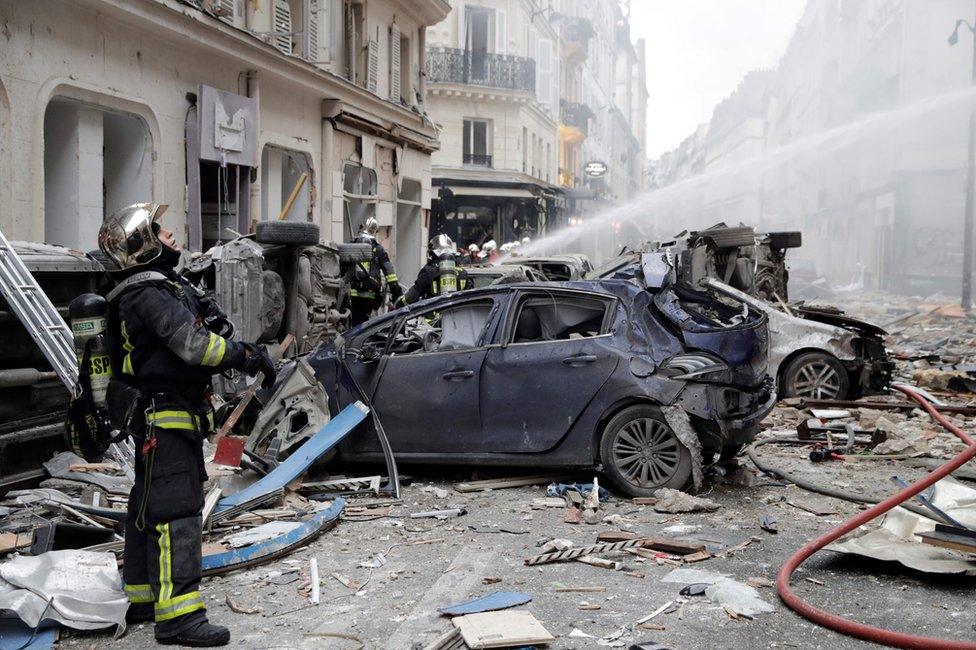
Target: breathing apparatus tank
[[87, 314], [446, 273]]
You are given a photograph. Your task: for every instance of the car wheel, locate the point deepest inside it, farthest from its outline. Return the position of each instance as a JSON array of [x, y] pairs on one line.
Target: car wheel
[[731, 237], [641, 454], [353, 253], [815, 375], [287, 232]]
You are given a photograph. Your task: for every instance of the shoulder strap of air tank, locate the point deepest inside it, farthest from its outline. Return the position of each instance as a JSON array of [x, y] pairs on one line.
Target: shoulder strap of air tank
[[132, 280]]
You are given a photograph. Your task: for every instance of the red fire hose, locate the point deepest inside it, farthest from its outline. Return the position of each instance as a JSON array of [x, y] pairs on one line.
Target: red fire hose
[[860, 630]]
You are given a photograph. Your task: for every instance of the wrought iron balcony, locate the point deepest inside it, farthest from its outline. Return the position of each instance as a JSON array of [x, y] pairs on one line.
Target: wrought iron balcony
[[576, 115], [453, 65], [479, 159]]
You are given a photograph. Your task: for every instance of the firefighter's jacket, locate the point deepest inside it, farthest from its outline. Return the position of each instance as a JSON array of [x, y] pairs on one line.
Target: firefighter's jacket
[[158, 339], [366, 283]]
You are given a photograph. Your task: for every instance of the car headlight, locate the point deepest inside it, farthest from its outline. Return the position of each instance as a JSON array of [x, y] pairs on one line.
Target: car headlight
[[694, 365]]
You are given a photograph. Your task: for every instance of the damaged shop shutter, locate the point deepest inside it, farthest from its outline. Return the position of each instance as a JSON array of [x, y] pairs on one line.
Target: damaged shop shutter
[[501, 32], [282, 26], [373, 66], [395, 63]]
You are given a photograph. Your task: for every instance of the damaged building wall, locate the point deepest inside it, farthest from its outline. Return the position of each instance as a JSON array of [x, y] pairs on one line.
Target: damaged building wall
[[85, 52]]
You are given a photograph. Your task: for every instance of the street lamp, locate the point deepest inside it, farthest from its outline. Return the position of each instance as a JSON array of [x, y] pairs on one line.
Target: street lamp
[[967, 244]]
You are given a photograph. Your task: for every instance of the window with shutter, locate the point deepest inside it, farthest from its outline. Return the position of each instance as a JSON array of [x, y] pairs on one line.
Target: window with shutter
[[395, 63], [501, 32], [350, 38], [554, 75], [372, 65], [462, 27], [282, 26], [543, 81], [311, 24]]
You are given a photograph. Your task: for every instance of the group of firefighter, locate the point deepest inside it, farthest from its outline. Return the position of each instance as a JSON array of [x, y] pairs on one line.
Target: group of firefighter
[[443, 273], [165, 341]]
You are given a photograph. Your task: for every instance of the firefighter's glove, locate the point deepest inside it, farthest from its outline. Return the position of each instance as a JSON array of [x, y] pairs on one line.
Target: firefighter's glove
[[258, 361]]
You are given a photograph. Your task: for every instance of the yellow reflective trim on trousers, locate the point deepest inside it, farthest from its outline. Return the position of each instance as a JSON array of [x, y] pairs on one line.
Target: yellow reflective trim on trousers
[[215, 351], [172, 420], [129, 348], [180, 420], [392, 277], [179, 606], [165, 563], [139, 593], [361, 294]]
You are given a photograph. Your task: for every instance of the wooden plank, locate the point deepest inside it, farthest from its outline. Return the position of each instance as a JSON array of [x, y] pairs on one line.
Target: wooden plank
[[510, 482], [948, 540], [672, 545], [615, 536], [12, 541]]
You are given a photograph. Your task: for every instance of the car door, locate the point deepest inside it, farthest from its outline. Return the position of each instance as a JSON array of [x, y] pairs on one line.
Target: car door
[[539, 380], [428, 394]]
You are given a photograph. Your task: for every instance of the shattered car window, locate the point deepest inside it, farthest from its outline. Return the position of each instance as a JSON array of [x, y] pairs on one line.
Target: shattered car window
[[454, 328], [559, 318]]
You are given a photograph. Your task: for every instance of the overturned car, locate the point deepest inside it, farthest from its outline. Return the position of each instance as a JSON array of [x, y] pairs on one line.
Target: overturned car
[[639, 383], [814, 352]]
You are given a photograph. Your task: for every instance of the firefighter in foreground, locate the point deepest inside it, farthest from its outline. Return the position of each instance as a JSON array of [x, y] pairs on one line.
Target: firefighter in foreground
[[366, 281], [441, 274], [165, 346]]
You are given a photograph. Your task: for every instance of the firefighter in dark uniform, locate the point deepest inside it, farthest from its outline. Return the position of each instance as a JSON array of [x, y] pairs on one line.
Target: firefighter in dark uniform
[[441, 274], [164, 351], [366, 282]]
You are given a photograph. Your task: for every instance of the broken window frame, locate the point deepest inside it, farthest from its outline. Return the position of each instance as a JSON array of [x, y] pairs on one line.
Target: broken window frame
[[606, 327], [483, 340]]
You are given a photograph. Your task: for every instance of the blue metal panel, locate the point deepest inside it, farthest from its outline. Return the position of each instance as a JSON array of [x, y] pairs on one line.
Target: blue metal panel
[[267, 549], [295, 465]]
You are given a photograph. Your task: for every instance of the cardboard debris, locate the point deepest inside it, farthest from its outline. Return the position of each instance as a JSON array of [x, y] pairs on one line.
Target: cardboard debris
[[502, 630]]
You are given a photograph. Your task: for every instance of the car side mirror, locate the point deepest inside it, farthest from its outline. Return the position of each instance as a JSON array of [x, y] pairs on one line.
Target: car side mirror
[[370, 354]]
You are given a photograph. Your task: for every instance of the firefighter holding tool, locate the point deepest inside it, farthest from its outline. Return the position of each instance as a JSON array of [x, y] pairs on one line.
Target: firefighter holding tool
[[166, 340]]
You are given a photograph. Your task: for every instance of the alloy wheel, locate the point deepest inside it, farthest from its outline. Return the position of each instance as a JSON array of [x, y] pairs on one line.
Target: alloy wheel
[[816, 380], [646, 452]]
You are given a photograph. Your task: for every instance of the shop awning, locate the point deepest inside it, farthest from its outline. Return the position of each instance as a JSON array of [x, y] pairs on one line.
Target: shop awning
[[508, 192]]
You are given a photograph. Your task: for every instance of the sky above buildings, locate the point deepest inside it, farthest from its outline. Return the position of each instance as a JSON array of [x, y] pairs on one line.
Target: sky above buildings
[[698, 50]]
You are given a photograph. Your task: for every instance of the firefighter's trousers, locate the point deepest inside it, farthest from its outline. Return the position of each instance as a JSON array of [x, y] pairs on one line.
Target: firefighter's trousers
[[163, 530]]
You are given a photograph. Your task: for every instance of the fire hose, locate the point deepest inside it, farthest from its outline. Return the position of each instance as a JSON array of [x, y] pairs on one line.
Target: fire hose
[[861, 630]]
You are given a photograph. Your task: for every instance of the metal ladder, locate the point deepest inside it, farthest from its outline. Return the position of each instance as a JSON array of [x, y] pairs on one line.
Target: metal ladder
[[52, 335], [39, 317]]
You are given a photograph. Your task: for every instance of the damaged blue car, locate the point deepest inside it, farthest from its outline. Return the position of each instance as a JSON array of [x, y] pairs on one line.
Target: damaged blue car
[[644, 385]]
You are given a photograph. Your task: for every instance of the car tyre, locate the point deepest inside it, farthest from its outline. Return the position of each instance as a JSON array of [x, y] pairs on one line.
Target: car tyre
[[640, 452], [786, 239], [815, 375], [355, 253], [287, 232], [731, 237]]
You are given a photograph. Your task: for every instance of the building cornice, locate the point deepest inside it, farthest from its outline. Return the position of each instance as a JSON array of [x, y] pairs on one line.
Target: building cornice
[[427, 12], [176, 21]]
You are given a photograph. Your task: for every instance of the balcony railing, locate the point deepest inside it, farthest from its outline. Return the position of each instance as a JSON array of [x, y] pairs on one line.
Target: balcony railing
[[576, 115], [479, 159], [453, 65]]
